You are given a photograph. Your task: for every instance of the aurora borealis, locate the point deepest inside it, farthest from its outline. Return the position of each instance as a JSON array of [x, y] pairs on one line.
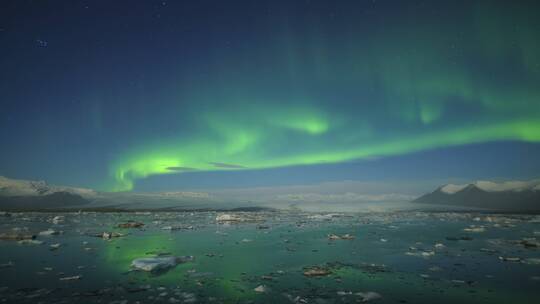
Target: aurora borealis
[[176, 87]]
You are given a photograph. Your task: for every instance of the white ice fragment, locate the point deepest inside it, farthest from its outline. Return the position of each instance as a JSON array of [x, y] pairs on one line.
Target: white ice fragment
[[155, 264], [368, 296], [261, 289]]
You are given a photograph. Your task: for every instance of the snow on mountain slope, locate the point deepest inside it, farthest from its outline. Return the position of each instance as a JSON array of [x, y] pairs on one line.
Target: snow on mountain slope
[[451, 188], [515, 196], [490, 186], [14, 187], [508, 186]]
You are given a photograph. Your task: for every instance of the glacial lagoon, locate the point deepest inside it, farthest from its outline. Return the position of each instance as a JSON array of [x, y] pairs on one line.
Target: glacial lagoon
[[269, 257]]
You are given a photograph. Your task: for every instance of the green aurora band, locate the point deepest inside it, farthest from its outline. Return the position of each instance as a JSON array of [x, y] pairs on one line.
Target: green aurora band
[[330, 94]]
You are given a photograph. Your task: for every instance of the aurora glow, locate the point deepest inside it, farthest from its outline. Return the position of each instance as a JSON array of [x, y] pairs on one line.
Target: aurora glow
[[276, 84]]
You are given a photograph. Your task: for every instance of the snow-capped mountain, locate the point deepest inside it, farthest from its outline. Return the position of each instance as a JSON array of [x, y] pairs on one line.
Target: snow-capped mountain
[[23, 194], [495, 187], [509, 195], [15, 187]]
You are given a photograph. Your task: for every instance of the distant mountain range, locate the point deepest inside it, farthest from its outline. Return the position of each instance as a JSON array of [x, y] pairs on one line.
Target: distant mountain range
[[21, 194], [511, 196], [518, 196], [38, 195], [15, 187]]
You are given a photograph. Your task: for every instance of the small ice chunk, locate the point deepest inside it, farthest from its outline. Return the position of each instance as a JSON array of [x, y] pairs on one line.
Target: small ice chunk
[[368, 296], [55, 246], [510, 259], [72, 278], [30, 242], [473, 228], [261, 289], [423, 254], [160, 263], [344, 293], [58, 219], [228, 218], [347, 236], [49, 232]]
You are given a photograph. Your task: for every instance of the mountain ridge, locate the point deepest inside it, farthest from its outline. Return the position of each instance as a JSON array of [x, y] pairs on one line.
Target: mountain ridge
[[506, 196], [490, 186]]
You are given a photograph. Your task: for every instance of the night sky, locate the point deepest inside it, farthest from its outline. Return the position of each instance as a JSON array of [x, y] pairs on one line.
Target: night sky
[[161, 95]]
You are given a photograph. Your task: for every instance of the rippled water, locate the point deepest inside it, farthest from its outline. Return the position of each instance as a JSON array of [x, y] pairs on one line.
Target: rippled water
[[403, 257]]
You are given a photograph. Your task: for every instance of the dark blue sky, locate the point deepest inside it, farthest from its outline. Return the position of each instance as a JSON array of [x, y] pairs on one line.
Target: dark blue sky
[[162, 95]]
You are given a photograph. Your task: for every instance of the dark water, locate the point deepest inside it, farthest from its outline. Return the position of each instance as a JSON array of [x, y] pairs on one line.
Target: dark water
[[402, 257]]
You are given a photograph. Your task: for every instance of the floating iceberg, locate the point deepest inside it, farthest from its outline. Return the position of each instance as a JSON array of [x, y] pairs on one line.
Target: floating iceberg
[[159, 264]]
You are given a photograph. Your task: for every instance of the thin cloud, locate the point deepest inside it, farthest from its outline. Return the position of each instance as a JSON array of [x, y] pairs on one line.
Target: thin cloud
[[229, 166]]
